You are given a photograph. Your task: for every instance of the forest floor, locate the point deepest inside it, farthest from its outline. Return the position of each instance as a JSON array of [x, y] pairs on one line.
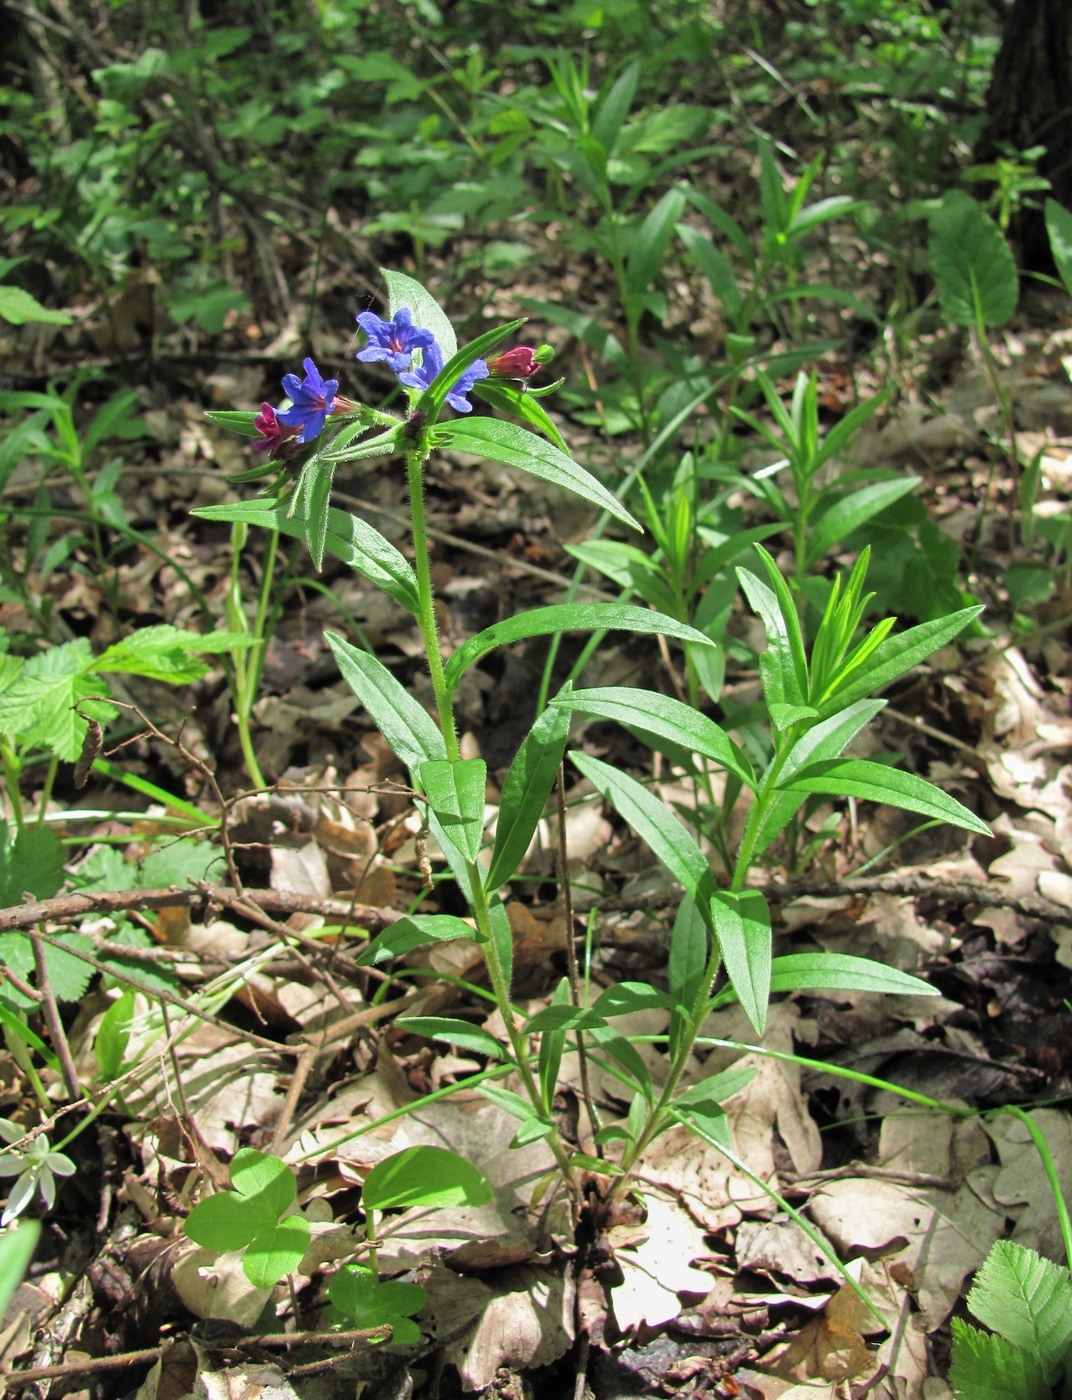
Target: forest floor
[[702, 1285]]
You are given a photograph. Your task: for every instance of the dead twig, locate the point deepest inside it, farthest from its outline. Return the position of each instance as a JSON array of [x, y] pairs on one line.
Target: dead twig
[[52, 1018]]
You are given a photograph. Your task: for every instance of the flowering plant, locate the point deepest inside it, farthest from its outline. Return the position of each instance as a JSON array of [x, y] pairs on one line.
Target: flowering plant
[[35, 1165]]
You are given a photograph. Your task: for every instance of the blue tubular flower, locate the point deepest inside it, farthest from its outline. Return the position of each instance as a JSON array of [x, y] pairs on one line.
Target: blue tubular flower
[[393, 341], [312, 398], [430, 366]]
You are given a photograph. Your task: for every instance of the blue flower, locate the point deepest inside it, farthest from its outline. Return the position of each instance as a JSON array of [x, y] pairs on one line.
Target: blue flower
[[430, 366], [312, 399], [393, 341]]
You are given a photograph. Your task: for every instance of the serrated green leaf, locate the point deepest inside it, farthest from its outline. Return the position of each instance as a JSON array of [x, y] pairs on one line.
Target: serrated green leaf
[[31, 862], [180, 862], [37, 707], [403, 722], [165, 653], [525, 791], [453, 1032], [874, 782], [414, 931], [424, 1176], [973, 268], [568, 617], [276, 1252], [986, 1367], [456, 791], [517, 447], [1028, 1300]]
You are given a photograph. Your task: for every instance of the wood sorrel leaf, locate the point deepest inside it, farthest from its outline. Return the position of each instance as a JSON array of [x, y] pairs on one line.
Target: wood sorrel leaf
[[874, 782], [260, 1176], [568, 617], [403, 722], [517, 447], [524, 794], [456, 791], [424, 1176], [364, 1301], [276, 1252]]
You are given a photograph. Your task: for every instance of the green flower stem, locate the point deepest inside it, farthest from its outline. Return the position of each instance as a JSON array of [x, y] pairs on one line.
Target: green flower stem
[[426, 603], [758, 812], [477, 895]]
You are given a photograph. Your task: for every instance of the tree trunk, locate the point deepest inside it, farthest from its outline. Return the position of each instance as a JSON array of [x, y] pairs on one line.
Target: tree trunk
[[1030, 104]]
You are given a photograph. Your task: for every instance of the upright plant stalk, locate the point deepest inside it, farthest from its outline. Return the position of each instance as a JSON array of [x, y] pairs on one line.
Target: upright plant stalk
[[476, 894]]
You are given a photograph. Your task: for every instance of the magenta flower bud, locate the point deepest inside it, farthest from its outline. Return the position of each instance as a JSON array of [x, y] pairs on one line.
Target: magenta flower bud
[[519, 363], [274, 434]]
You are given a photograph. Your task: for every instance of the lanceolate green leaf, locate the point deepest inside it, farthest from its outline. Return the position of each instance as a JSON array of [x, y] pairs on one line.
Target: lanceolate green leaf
[[654, 823], [824, 740], [455, 790], [813, 972], [403, 722], [414, 931], [519, 403], [850, 512], [743, 929], [347, 538], [568, 617], [874, 782], [427, 312], [666, 717], [453, 1032], [517, 447], [1059, 227], [525, 791], [435, 396], [782, 666], [894, 657], [646, 255]]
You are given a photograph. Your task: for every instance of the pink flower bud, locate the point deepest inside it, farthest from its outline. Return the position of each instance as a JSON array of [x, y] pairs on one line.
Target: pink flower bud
[[514, 364]]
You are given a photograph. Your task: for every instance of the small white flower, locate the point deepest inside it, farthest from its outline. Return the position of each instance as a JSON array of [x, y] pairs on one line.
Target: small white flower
[[36, 1167]]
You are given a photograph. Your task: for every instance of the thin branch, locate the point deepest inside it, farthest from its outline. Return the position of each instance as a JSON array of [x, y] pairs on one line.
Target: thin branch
[[52, 1018]]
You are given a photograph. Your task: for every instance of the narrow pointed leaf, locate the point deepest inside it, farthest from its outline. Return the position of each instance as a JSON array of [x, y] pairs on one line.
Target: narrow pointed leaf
[[414, 931], [455, 791], [874, 782], [405, 724], [665, 717], [654, 823], [525, 792], [742, 927], [517, 447], [453, 1032], [568, 617], [427, 312], [850, 512]]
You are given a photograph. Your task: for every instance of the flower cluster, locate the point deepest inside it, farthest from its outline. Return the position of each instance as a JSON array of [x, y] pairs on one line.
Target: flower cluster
[[416, 357], [311, 400]]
